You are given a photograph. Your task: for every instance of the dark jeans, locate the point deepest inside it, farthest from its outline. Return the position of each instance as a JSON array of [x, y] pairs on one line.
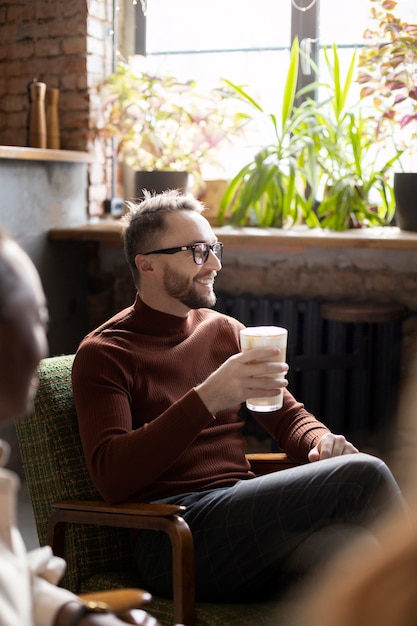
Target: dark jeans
[[252, 538]]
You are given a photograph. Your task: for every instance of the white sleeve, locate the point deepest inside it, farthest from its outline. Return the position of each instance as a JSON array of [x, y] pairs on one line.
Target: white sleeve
[[47, 570]]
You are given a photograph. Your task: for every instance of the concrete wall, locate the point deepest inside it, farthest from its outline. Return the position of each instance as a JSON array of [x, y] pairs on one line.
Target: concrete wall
[[36, 196]]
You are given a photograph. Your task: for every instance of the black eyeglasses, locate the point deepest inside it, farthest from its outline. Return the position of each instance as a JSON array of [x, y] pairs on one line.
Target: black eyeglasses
[[200, 251]]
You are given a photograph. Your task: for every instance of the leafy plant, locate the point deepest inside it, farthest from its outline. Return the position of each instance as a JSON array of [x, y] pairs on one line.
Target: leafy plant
[[388, 74], [162, 123], [271, 189], [354, 183], [320, 166]]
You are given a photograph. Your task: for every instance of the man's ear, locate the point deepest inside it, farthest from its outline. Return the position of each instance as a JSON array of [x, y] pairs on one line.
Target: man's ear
[[143, 263]]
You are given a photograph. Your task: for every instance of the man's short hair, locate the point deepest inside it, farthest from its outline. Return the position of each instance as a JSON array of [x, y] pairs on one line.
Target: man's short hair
[[145, 222]]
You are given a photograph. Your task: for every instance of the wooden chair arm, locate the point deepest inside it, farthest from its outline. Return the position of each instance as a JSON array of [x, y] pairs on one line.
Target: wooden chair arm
[[119, 600], [126, 508], [163, 517], [267, 462], [126, 604]]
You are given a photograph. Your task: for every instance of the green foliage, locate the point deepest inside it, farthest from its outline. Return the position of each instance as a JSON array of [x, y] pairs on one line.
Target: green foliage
[[162, 123], [270, 189], [388, 73], [322, 167], [355, 183]]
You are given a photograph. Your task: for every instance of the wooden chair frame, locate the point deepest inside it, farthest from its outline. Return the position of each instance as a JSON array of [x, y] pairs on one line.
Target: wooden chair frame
[[164, 517]]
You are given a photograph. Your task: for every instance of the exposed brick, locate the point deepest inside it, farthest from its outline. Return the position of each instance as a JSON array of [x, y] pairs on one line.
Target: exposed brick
[[97, 10], [24, 49], [98, 192], [15, 13], [75, 8], [27, 12], [69, 82], [96, 174], [17, 85], [76, 101], [97, 28], [47, 39], [12, 104], [47, 10], [96, 66], [47, 47], [96, 46], [73, 64], [60, 28], [74, 45]]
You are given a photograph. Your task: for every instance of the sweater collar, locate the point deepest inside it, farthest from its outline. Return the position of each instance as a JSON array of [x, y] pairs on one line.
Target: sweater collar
[[157, 322]]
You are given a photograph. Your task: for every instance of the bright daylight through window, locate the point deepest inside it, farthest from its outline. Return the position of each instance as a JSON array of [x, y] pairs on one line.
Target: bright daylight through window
[[248, 43]]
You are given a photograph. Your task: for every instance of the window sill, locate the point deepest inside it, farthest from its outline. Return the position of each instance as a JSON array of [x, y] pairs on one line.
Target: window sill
[[109, 232]]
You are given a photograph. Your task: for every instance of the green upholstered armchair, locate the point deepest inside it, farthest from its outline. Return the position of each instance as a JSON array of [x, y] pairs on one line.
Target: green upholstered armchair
[[92, 536]]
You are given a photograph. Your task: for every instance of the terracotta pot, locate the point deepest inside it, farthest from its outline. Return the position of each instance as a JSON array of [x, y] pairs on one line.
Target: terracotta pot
[[211, 197]]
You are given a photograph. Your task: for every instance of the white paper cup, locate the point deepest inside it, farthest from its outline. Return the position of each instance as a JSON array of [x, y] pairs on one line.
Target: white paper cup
[[259, 337]]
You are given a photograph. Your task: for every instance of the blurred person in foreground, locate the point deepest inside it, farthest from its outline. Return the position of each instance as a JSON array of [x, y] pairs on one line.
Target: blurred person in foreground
[[28, 592], [160, 393], [361, 586]]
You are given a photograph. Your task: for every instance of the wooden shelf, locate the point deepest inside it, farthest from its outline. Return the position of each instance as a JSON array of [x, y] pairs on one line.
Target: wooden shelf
[[38, 154], [109, 232]]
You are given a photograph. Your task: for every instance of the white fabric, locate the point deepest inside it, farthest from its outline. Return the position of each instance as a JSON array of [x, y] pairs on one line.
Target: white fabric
[[28, 592]]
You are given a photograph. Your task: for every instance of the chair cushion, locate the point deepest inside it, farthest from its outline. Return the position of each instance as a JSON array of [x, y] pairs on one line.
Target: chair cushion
[[55, 469]]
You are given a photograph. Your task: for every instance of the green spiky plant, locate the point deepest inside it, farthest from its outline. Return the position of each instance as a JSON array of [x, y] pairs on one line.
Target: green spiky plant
[[271, 189], [320, 167], [356, 188]]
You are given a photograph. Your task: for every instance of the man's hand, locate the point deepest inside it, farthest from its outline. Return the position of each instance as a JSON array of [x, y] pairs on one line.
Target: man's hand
[[250, 374], [331, 445]]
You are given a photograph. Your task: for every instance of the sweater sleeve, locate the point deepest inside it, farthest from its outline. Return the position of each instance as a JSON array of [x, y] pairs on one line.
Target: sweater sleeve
[[123, 460], [293, 427]]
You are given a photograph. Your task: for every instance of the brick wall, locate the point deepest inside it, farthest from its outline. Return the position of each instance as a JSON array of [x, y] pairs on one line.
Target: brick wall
[[67, 45]]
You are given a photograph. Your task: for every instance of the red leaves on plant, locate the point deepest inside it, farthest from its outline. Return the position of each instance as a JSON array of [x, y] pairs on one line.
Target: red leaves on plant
[[366, 91], [363, 78], [407, 119], [389, 5]]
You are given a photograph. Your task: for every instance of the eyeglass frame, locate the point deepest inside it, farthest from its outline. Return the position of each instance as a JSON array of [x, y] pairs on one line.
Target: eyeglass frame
[[208, 247]]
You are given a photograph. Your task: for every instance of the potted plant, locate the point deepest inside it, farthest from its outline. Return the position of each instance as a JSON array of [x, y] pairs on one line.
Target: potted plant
[[162, 124], [353, 178], [388, 79], [319, 167], [271, 189]]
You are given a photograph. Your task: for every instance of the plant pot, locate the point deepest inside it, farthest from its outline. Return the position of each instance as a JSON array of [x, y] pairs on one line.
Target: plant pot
[[405, 192], [158, 181], [211, 198]]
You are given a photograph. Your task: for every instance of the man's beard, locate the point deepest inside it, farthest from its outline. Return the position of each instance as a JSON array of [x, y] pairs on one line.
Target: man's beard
[[179, 287]]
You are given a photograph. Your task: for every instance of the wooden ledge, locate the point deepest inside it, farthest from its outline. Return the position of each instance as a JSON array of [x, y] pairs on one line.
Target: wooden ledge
[[268, 240], [39, 154]]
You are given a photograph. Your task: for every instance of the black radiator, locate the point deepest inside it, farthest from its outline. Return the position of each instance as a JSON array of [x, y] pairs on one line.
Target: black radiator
[[347, 374]]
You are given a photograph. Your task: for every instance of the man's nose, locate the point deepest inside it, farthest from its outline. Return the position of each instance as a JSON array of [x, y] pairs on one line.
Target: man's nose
[[213, 261]]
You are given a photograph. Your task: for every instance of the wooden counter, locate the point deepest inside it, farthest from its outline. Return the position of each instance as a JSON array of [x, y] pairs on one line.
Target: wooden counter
[[109, 232]]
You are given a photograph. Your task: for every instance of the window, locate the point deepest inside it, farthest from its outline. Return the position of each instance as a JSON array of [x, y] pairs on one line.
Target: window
[[248, 42]]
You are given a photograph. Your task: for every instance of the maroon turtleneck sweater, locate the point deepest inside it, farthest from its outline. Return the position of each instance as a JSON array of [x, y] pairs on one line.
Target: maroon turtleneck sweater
[[145, 432]]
